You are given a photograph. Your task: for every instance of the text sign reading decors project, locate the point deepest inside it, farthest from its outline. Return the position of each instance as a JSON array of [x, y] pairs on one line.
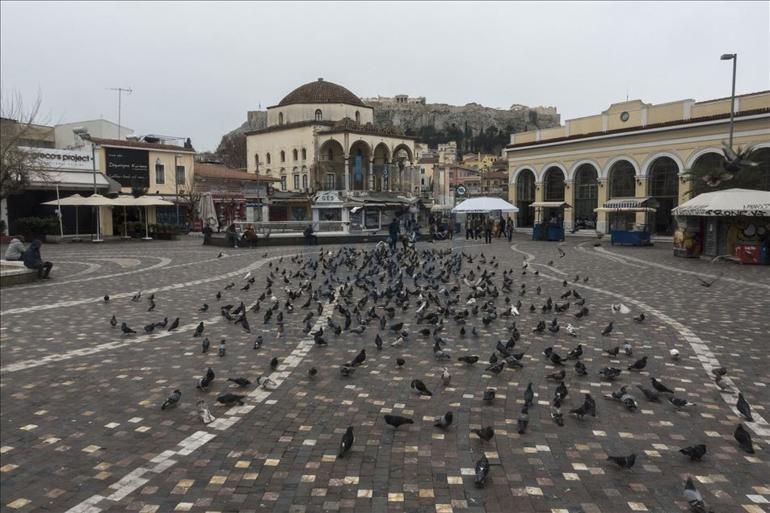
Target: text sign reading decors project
[[131, 168]]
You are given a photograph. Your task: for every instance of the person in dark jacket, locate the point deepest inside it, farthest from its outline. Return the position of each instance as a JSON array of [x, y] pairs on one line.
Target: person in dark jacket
[[33, 260], [394, 233], [207, 233]]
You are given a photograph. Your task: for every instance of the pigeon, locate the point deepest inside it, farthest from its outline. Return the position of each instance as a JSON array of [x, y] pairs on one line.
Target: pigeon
[[126, 330], [274, 363], [529, 395], [113, 321], [674, 353], [485, 433], [610, 373], [205, 381], [266, 383], [556, 414], [400, 362], [174, 325], [693, 497], [607, 329], [172, 400], [580, 368], [706, 283], [496, 368], [359, 359], [241, 382], [258, 342], [638, 364], [639, 318], [205, 345], [470, 360], [719, 371], [420, 387], [523, 420], [557, 376], [378, 341], [650, 395], [137, 297], [660, 387], [612, 352], [149, 328], [446, 377], [347, 370], [744, 408], [222, 350], [347, 442], [680, 402], [482, 472], [106, 298], [204, 412], [220, 255], [397, 420], [489, 395], [229, 399], [444, 421], [695, 452], [199, 330], [561, 391], [623, 461], [744, 439]]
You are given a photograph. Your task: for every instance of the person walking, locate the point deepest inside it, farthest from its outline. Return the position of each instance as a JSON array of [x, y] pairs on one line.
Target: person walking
[[207, 233], [33, 260], [509, 228], [394, 231], [488, 226]]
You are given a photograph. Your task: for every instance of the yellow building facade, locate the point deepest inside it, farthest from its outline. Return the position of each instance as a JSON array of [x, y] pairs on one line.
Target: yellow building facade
[[631, 150]]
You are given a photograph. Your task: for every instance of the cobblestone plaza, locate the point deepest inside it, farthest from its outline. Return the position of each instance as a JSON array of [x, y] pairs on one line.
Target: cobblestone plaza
[[83, 429]]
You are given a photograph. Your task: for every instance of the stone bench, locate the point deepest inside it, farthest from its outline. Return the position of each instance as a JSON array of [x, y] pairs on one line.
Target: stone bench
[[298, 239], [14, 273]]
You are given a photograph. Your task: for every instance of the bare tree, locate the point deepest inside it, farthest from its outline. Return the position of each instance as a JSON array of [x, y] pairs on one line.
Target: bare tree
[[17, 126], [190, 201]]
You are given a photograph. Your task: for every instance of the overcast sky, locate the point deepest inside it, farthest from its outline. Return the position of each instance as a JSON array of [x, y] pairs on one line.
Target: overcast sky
[[196, 67]]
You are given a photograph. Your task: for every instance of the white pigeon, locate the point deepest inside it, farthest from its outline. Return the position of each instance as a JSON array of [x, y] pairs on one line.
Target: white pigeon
[[204, 412], [571, 330], [620, 308], [399, 342], [446, 377], [674, 354], [248, 275], [514, 311], [266, 383], [471, 301]]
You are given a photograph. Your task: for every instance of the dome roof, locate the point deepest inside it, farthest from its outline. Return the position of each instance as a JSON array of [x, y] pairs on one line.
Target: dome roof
[[321, 91]]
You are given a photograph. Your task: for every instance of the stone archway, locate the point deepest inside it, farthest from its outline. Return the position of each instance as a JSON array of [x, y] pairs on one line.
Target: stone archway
[[663, 185], [331, 166], [400, 169], [586, 195], [380, 161], [525, 196], [622, 180], [359, 156], [553, 182]]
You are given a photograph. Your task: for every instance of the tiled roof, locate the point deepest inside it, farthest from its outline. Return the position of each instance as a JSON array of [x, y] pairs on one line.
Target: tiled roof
[[321, 91], [217, 171], [118, 143]]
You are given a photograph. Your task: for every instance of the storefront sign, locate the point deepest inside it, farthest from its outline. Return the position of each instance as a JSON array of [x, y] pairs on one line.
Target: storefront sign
[[50, 158], [131, 168]]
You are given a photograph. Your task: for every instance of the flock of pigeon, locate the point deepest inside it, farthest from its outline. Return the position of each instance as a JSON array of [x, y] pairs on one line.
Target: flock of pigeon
[[445, 290]]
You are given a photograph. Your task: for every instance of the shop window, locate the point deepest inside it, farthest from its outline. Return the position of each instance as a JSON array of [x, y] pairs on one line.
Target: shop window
[[180, 175], [160, 174], [318, 115]]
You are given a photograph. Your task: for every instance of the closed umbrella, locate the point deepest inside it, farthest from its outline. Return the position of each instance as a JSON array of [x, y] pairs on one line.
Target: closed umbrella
[[207, 209]]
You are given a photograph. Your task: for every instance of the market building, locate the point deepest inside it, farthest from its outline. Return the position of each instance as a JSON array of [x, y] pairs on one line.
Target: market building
[[631, 153], [237, 196], [333, 164]]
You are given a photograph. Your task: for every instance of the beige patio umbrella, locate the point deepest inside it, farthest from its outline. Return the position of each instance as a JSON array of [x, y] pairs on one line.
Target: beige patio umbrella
[[70, 201], [148, 201]]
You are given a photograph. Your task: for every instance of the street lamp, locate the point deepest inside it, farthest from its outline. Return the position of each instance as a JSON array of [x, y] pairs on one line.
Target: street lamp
[[176, 185], [731, 57], [82, 132]]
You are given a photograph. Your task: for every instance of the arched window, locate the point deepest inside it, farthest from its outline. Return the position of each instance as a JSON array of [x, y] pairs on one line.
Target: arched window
[[283, 156], [256, 161], [304, 154], [525, 195], [586, 181], [280, 118], [664, 187], [304, 182], [358, 117], [318, 115], [554, 184], [622, 180], [294, 154], [267, 158]]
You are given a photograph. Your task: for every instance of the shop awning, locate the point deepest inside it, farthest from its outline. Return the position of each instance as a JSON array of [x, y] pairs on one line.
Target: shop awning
[[616, 203], [625, 209], [550, 204], [69, 180], [727, 203]]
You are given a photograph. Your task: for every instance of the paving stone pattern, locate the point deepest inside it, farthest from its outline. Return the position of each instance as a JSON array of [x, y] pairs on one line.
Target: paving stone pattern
[[82, 428]]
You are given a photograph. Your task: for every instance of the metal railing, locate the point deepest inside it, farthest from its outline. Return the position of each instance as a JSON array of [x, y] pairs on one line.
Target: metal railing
[[296, 227]]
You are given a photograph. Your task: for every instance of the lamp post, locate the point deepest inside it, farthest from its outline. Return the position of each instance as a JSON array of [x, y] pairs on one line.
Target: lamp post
[[85, 136], [176, 185], [731, 57]]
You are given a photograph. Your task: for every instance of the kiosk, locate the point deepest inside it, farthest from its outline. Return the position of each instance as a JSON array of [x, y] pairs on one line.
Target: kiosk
[[549, 220], [624, 229]]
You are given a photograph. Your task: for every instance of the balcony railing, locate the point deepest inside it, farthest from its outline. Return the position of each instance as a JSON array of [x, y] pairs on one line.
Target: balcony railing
[[293, 227]]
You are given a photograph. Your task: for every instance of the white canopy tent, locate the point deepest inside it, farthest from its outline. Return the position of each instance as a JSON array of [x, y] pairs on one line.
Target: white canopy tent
[[727, 203], [483, 205]]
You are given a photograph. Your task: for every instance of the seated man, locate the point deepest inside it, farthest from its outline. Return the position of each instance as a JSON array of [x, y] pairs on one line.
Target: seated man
[[15, 248], [33, 260], [232, 236], [309, 235], [249, 237]]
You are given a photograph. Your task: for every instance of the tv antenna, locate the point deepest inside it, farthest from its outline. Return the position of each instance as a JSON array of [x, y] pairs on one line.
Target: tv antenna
[[120, 91]]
